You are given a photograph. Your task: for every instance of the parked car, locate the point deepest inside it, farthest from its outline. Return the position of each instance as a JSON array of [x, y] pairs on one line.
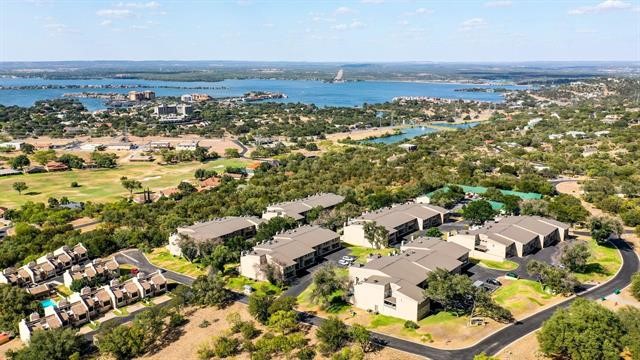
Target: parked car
[[494, 282], [349, 258], [512, 275], [343, 262]]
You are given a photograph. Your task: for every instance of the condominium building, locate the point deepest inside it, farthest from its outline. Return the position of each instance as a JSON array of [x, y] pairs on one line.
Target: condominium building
[[394, 285], [214, 231], [88, 304], [289, 252], [297, 209], [98, 268], [399, 221], [45, 267], [512, 236]]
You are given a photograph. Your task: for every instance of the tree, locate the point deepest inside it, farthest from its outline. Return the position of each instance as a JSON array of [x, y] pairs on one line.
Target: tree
[[201, 153], [220, 256], [186, 187], [560, 281], [15, 304], [433, 232], [454, 292], [225, 346], [130, 185], [210, 290], [635, 285], [603, 227], [72, 161], [326, 282], [361, 336], [332, 334], [567, 208], [20, 186], [376, 235], [478, 212], [53, 344], [284, 321], [27, 148], [19, 162], [575, 256], [586, 330], [44, 156], [104, 160], [123, 342], [231, 153], [630, 319]]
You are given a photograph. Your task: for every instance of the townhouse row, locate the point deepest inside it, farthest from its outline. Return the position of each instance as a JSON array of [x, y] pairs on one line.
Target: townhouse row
[[88, 304], [45, 267]]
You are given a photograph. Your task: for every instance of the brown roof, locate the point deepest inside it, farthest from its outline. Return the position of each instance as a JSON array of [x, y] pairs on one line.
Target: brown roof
[[130, 287], [53, 322], [78, 308], [102, 295], [217, 228], [158, 279]]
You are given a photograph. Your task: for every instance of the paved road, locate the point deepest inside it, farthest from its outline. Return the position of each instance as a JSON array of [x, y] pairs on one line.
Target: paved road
[[243, 149], [490, 345]]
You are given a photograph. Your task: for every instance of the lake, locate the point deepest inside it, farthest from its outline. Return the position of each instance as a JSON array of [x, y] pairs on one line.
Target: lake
[[412, 132], [317, 92]]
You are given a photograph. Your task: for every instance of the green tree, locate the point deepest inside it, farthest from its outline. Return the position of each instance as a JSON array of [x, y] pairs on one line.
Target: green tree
[[72, 161], [567, 208], [54, 344], [433, 232], [575, 256], [186, 187], [477, 212], [376, 235], [259, 303], [284, 321], [454, 292], [44, 156], [130, 185], [123, 342], [20, 186], [333, 334], [560, 281], [586, 330], [224, 346], [603, 227], [27, 148], [231, 153], [19, 162], [635, 285], [209, 290], [630, 319], [326, 282], [15, 304], [361, 336]]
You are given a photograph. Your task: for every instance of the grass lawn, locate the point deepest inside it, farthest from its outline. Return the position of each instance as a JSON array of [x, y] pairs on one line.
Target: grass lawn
[[506, 265], [103, 185], [603, 263], [237, 283], [121, 312], [63, 290], [361, 253], [336, 303], [522, 296], [162, 258]]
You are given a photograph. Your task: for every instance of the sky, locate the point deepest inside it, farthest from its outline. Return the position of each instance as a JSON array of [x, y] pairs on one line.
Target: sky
[[347, 31]]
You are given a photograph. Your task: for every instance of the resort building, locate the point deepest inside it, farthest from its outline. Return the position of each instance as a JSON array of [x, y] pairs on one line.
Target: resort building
[[394, 285], [399, 221], [188, 145], [45, 267], [88, 304], [511, 236], [98, 268], [214, 231], [289, 252], [297, 209]]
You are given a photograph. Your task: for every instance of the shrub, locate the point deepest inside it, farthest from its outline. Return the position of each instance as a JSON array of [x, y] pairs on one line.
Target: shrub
[[74, 184], [204, 324], [226, 346], [307, 353], [411, 325], [635, 285], [249, 330]]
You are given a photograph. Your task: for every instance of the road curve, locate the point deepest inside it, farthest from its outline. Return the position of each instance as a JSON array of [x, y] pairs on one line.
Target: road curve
[[490, 345]]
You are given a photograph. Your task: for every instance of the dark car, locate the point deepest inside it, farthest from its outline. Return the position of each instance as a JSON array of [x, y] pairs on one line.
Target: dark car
[[512, 275], [494, 282]]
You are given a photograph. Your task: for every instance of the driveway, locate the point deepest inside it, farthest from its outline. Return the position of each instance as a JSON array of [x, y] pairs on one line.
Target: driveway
[[304, 279]]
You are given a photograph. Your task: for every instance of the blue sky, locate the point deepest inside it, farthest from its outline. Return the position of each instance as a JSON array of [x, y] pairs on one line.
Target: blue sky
[[359, 30]]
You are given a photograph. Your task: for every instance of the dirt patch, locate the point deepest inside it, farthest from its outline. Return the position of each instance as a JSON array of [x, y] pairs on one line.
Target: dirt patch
[[526, 348]]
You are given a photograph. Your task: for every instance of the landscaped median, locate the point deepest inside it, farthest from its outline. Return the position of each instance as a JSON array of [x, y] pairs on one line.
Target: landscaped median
[[361, 253], [523, 297], [603, 264], [161, 258], [506, 265]]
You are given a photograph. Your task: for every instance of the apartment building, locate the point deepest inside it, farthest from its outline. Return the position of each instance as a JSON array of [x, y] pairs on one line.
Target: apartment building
[[88, 304], [399, 221], [97, 268], [217, 230], [289, 252], [45, 267], [512, 236], [394, 285], [297, 209]]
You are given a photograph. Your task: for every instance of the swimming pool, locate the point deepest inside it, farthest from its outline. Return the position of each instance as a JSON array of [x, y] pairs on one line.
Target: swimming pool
[[47, 303]]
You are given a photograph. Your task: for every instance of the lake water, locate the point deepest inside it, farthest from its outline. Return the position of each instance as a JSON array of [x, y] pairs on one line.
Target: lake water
[[316, 92], [412, 132]]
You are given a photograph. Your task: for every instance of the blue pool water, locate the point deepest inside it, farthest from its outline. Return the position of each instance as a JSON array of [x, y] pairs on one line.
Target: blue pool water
[[47, 303], [303, 91]]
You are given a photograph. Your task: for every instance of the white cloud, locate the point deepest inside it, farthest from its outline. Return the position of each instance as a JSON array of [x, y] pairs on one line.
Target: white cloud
[[419, 11], [139, 27], [472, 24], [147, 5], [606, 5], [403, 22], [115, 13], [355, 24], [342, 10], [372, 1], [106, 22], [498, 3]]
